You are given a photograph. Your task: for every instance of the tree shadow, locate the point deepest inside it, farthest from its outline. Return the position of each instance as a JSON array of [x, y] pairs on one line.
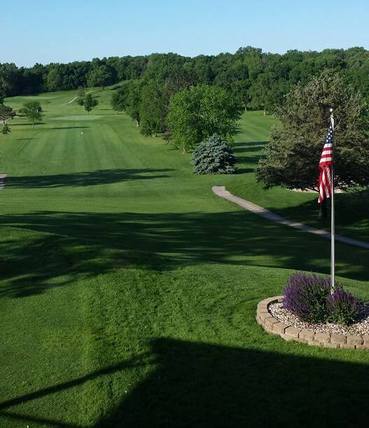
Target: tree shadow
[[141, 360], [248, 147], [244, 170], [83, 245], [88, 178], [28, 124], [193, 384], [244, 153], [134, 363], [201, 385], [68, 127], [350, 208]]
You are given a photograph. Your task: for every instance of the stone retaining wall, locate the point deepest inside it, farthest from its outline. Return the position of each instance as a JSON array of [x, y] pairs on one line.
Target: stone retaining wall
[[288, 332]]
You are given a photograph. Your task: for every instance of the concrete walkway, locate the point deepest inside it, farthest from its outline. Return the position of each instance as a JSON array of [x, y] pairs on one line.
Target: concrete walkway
[[268, 215], [71, 101]]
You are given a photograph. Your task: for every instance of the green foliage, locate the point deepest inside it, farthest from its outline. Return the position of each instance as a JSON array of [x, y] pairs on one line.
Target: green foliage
[[6, 113], [89, 102], [81, 96], [33, 111], [258, 80], [119, 99], [213, 156], [101, 75], [5, 129], [153, 108], [199, 112], [128, 99], [292, 156]]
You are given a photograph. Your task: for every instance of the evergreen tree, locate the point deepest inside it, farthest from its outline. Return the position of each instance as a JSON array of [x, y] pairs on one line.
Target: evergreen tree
[[213, 156], [292, 155]]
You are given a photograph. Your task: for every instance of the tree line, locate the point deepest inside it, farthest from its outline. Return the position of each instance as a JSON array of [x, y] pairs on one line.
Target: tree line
[[259, 80]]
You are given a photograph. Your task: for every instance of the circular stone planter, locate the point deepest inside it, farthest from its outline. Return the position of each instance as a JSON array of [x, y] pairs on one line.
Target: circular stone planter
[[288, 332]]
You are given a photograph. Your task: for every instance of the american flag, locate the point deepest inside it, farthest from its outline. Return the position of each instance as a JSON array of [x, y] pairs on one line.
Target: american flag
[[325, 165]]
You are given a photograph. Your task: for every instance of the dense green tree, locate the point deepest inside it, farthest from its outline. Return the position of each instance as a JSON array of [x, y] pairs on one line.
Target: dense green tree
[[128, 98], [89, 102], [33, 111], [292, 155], [257, 79], [119, 99], [81, 96], [9, 80], [6, 113], [199, 112], [101, 75], [153, 108], [54, 80], [5, 129]]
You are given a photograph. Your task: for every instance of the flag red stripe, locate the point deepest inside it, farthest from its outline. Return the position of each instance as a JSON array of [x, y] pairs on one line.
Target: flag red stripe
[[325, 165]]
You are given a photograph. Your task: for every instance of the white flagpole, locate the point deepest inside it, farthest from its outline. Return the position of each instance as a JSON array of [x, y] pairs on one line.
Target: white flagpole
[[332, 212]]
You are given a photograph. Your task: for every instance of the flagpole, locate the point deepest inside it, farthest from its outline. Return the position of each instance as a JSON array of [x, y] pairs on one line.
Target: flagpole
[[332, 213]]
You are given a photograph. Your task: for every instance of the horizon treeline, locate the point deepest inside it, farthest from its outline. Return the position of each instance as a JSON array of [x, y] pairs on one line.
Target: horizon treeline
[[256, 79]]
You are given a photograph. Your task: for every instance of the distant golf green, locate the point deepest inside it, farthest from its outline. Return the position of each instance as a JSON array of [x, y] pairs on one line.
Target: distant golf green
[[128, 289]]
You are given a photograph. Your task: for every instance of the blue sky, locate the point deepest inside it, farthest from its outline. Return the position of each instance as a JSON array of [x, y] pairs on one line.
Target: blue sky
[[65, 30]]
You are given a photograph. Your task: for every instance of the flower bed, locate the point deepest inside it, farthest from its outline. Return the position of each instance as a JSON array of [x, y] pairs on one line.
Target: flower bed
[[291, 328]]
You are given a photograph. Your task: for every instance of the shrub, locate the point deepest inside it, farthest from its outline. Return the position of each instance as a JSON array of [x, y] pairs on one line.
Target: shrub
[[213, 156], [306, 296], [309, 297], [343, 307], [5, 130]]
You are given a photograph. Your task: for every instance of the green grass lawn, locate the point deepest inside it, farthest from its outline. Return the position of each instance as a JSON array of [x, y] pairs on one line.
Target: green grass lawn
[[128, 290]]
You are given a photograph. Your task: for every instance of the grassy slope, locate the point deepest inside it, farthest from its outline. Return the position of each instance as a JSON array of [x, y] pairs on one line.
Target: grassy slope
[[129, 290]]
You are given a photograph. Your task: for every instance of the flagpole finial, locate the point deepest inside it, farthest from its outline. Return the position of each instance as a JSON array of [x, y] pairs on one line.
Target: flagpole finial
[[331, 109]]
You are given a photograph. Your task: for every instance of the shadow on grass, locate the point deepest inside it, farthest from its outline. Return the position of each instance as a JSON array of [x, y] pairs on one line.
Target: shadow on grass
[[200, 385], [28, 124], [248, 153], [142, 360], [203, 385], [68, 127], [82, 245], [350, 208], [244, 170], [89, 178], [251, 147]]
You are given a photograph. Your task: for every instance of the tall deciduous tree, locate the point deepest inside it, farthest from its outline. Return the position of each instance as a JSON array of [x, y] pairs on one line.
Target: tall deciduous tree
[[199, 112], [101, 75], [292, 155], [153, 108], [128, 98]]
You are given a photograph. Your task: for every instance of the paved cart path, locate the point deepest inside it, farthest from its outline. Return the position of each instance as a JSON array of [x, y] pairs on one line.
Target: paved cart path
[[269, 215]]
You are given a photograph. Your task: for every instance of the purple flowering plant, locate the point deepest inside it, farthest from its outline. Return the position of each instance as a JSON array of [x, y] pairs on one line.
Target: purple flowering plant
[[309, 297], [343, 307]]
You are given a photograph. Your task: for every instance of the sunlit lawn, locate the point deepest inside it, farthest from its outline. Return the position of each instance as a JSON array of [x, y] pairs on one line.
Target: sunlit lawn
[[128, 290]]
